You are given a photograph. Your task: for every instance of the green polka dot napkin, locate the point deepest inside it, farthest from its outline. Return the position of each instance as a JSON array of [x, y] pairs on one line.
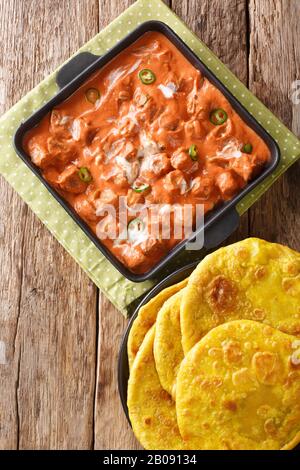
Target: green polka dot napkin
[[118, 289]]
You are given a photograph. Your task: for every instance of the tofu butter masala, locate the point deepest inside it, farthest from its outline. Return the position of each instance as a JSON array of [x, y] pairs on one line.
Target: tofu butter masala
[[149, 127]]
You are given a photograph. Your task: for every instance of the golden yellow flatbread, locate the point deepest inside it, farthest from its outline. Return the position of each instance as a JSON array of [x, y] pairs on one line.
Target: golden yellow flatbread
[[151, 409], [147, 317], [239, 388], [251, 279], [168, 350]]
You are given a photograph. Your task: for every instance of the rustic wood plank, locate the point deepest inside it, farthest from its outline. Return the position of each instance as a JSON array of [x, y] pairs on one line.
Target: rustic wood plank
[[12, 215], [57, 339], [111, 428], [48, 313], [274, 64], [223, 27], [112, 431]]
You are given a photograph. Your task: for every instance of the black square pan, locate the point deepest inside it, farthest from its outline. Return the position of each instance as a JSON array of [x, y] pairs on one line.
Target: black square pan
[[219, 223]]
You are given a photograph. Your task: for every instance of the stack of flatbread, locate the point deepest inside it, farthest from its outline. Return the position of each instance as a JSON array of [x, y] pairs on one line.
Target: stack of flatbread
[[215, 360]]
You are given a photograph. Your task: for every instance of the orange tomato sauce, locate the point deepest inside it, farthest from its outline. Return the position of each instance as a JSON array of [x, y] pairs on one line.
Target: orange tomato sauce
[[152, 143]]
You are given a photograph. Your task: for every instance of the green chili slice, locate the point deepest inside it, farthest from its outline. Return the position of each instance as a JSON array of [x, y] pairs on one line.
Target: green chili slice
[[193, 152], [134, 228], [218, 116], [141, 188], [92, 95], [247, 148], [147, 76], [84, 174]]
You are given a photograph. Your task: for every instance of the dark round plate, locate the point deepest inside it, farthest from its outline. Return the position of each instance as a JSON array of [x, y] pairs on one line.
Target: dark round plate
[[123, 369]]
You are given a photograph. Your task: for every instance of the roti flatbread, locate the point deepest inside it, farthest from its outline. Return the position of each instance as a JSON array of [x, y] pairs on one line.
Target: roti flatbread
[[252, 279], [168, 350], [147, 317], [151, 409], [239, 388]]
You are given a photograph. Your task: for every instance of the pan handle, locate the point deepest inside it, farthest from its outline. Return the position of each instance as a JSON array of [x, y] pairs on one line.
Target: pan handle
[[72, 68], [221, 230]]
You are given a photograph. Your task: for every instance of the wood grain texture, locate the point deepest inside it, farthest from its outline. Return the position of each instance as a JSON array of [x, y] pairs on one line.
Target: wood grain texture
[[274, 63], [58, 387], [48, 305], [12, 215], [112, 431], [12, 220], [222, 26], [110, 9]]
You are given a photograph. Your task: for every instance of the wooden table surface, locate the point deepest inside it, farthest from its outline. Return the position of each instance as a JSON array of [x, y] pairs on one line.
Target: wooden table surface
[[59, 336]]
